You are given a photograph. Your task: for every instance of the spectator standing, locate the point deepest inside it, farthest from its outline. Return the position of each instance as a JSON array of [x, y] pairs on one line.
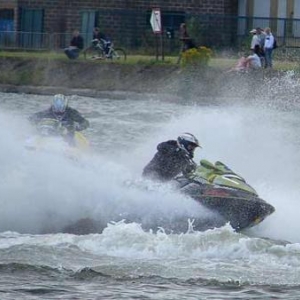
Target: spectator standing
[[268, 47], [76, 45], [187, 42], [261, 37], [255, 39], [258, 39]]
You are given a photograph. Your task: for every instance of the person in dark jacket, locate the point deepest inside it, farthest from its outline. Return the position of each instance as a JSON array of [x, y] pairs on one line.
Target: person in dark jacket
[[99, 36], [172, 158], [187, 42], [69, 118], [76, 45]]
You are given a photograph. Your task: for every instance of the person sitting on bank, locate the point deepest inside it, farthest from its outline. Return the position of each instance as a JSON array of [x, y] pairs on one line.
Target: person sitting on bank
[[76, 45], [251, 62]]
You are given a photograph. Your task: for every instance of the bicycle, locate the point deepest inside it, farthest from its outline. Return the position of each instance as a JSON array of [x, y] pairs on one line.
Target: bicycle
[[101, 49]]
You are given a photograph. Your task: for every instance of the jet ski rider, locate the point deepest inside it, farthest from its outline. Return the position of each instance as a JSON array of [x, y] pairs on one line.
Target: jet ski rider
[[69, 118], [172, 158]]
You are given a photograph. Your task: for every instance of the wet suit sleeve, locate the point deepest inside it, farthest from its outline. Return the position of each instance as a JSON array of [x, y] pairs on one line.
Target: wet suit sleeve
[[79, 119], [180, 160], [189, 168], [37, 117]]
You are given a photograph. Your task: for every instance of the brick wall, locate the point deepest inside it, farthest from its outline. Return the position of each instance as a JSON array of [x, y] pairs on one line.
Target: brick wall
[[8, 4], [64, 14], [125, 20]]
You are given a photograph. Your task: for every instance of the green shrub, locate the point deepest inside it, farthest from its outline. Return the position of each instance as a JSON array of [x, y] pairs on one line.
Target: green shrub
[[196, 57]]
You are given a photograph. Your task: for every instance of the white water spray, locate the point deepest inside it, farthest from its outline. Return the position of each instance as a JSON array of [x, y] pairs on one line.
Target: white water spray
[[45, 192]]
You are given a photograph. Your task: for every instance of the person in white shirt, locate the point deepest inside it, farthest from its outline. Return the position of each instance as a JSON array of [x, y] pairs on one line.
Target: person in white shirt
[[268, 47], [253, 61], [255, 38]]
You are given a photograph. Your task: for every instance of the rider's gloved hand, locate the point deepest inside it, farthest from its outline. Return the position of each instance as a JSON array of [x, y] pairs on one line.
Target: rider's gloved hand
[[66, 128], [64, 131], [191, 168], [77, 127]]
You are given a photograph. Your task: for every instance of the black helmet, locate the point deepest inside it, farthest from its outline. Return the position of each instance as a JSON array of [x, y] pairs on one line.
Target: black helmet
[[188, 142]]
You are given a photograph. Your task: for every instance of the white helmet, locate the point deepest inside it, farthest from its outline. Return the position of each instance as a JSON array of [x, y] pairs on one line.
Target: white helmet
[[188, 142], [59, 104]]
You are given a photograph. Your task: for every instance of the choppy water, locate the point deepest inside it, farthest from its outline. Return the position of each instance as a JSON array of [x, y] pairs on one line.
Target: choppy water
[[44, 192]]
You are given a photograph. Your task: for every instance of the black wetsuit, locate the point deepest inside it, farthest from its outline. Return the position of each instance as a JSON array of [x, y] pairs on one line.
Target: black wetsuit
[[168, 162], [70, 117]]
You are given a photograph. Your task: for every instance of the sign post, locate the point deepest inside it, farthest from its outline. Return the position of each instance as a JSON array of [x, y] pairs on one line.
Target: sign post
[[155, 22]]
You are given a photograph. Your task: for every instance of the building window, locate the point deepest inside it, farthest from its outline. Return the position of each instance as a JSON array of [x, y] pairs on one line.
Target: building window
[[6, 20]]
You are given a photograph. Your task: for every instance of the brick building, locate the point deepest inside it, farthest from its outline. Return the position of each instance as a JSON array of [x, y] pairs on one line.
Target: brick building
[[217, 23], [126, 20]]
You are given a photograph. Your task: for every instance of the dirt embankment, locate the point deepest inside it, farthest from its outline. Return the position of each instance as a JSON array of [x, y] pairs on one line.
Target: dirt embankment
[[99, 79], [19, 74]]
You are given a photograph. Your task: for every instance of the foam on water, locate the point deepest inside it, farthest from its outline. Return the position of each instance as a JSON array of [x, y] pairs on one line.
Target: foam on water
[[42, 191], [259, 143], [127, 249]]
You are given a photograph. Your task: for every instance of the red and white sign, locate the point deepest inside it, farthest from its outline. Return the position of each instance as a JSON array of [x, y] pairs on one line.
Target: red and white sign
[[155, 20]]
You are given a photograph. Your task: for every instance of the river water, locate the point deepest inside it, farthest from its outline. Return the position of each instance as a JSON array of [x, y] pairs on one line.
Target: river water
[[42, 193]]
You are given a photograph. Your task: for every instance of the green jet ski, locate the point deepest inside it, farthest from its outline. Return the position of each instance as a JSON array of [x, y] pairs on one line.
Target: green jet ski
[[221, 190]]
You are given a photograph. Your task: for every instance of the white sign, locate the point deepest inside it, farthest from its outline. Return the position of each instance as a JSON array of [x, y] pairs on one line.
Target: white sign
[[155, 20]]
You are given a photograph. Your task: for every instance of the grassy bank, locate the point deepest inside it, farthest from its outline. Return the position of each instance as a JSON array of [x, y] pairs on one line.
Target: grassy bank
[[280, 63], [32, 72]]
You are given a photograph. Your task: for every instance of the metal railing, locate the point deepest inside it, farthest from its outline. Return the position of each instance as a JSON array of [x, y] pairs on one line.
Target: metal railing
[[215, 31]]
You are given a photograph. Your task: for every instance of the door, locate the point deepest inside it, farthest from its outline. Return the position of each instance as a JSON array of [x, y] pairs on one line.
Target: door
[[32, 21], [89, 21]]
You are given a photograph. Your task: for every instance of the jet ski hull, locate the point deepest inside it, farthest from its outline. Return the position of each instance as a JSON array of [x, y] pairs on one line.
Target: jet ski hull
[[239, 208]]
